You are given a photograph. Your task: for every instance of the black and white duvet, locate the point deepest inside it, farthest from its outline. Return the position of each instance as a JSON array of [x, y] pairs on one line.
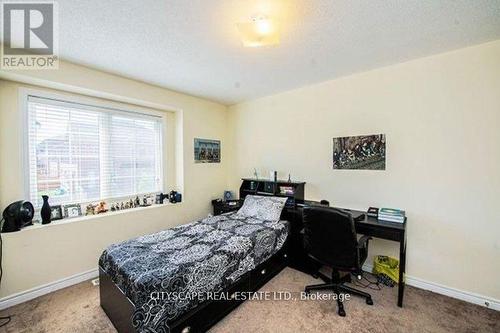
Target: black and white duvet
[[200, 257]]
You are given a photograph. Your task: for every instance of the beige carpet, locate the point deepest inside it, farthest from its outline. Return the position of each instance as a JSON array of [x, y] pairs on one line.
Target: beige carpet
[[76, 309]]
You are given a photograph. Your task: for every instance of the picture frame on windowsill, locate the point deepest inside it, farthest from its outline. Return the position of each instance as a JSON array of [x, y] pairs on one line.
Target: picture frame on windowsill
[[56, 213], [72, 210]]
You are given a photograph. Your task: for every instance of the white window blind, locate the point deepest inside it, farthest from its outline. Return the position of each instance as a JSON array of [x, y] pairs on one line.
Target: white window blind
[[80, 153]]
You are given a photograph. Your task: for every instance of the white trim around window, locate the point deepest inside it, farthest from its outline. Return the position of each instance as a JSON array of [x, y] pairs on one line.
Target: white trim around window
[[112, 116]]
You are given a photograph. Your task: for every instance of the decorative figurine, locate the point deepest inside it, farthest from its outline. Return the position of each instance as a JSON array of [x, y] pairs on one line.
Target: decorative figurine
[[101, 208], [113, 207], [131, 203], [160, 198], [144, 201], [289, 178], [137, 202], [89, 210], [122, 206]]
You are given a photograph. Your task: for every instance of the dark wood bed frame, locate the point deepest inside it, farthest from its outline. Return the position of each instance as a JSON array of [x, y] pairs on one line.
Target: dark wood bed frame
[[120, 309]]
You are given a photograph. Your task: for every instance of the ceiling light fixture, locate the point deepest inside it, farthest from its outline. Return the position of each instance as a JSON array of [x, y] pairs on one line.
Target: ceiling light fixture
[[259, 31]]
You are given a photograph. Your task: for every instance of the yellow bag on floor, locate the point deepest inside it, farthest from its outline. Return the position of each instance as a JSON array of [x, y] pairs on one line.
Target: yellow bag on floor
[[388, 266]]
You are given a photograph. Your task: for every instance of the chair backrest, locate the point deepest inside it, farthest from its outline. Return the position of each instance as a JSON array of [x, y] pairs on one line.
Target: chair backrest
[[330, 237]]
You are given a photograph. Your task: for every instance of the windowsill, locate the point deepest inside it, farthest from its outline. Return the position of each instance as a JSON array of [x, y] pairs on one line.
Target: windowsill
[[92, 217]]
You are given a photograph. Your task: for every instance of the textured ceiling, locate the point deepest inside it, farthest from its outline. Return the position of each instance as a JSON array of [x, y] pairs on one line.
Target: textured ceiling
[[193, 46]]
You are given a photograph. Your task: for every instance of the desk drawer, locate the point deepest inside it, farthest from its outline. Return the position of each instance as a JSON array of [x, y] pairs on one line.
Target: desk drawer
[[379, 232]]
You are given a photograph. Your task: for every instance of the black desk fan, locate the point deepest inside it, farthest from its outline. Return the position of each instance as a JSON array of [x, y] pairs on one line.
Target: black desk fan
[[17, 215]]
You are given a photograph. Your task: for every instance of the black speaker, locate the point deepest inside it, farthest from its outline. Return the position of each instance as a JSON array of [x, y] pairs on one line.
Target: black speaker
[[17, 215]]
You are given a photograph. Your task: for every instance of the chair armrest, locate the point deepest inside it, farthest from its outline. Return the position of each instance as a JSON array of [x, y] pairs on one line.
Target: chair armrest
[[363, 242]]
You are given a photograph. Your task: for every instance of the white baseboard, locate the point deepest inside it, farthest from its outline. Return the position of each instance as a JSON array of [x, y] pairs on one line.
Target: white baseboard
[[466, 296], [30, 294]]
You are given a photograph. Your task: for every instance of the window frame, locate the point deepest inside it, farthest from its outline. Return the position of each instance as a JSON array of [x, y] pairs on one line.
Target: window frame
[[96, 102]]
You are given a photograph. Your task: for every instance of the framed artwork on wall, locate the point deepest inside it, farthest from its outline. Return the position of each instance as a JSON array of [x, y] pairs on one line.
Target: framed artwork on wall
[[206, 151], [363, 152]]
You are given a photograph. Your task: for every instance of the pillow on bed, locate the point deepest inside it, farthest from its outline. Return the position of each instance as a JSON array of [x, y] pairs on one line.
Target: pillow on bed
[[264, 208]]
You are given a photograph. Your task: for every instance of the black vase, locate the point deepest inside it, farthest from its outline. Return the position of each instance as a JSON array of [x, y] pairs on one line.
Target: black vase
[[45, 211]]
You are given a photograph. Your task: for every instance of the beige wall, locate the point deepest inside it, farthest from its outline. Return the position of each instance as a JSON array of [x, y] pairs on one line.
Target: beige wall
[[441, 115], [38, 256]]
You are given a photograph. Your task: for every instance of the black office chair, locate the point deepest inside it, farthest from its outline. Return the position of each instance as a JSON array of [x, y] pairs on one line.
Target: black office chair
[[330, 238], [325, 203]]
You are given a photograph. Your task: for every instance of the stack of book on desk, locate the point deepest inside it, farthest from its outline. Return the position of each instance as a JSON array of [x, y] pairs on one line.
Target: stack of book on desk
[[391, 215]]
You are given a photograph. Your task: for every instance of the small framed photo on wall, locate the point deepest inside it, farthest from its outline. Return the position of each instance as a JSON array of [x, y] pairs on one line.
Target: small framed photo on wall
[[206, 151]]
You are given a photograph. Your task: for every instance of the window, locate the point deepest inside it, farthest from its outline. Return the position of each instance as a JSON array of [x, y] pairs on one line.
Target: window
[[79, 153]]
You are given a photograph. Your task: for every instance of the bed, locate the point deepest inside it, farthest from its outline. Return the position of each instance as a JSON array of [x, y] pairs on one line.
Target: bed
[[185, 279]]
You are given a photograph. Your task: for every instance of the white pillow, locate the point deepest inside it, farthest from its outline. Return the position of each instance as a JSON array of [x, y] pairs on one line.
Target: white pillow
[[262, 207]]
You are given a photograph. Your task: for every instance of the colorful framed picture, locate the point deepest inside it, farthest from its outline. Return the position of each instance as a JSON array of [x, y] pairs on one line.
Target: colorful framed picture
[[206, 151], [73, 210], [56, 212], [363, 152]]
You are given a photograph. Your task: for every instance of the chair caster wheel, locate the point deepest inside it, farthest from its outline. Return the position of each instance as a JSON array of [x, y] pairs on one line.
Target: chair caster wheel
[[369, 301], [341, 312]]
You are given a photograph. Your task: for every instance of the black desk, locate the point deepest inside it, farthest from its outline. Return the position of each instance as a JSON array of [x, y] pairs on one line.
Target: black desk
[[368, 226], [391, 231]]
